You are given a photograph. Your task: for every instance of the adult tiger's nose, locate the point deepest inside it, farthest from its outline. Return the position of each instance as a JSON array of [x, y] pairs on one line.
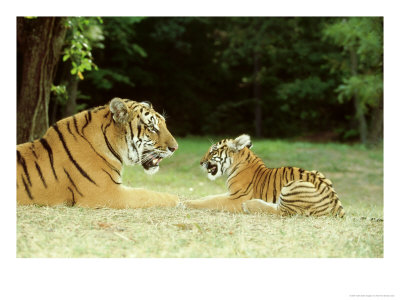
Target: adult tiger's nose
[[172, 149]]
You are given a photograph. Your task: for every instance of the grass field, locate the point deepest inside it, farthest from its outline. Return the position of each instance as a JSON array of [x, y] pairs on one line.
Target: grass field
[[356, 173]]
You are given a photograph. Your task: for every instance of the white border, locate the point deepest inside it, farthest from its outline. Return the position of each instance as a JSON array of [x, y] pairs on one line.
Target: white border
[[199, 278]]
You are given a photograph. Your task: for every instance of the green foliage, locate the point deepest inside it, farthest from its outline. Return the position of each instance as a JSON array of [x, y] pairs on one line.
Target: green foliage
[[365, 35], [201, 71], [368, 87], [360, 66], [82, 34], [121, 31], [364, 75], [115, 68], [292, 76], [106, 78], [60, 93], [311, 87], [240, 38]]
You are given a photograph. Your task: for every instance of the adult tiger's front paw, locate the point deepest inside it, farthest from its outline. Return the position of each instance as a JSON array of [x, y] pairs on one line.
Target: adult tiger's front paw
[[168, 200], [245, 209]]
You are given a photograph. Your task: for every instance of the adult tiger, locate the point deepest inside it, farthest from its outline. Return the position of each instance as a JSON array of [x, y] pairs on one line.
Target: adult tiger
[[79, 159], [255, 188]]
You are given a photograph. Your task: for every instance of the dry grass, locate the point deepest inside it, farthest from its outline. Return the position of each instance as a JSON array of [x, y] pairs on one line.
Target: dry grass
[[357, 175]]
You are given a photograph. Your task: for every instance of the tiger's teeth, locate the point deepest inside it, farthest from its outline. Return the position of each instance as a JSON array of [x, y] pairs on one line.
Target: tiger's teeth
[[211, 169], [155, 161]]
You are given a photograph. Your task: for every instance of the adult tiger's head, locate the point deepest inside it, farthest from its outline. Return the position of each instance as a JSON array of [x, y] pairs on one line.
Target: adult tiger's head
[[220, 156], [146, 138]]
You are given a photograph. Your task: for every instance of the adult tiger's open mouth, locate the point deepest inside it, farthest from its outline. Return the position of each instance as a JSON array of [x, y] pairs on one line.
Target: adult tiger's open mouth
[[212, 169], [151, 162]]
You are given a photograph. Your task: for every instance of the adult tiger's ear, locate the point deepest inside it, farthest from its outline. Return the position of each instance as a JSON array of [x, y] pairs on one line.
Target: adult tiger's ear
[[240, 142], [147, 104], [119, 110]]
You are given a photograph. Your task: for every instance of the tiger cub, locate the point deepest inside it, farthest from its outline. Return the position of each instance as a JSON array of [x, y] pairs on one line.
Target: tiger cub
[[253, 187], [79, 159]]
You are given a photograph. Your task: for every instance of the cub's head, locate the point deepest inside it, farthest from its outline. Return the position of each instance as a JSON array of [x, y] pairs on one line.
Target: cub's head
[[146, 139], [220, 156]]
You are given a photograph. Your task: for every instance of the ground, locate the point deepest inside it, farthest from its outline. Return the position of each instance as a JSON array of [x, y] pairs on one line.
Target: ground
[[356, 173]]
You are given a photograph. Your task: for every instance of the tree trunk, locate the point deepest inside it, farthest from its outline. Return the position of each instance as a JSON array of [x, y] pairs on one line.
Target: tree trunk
[[39, 42], [376, 128], [362, 122], [360, 114], [257, 96], [72, 90]]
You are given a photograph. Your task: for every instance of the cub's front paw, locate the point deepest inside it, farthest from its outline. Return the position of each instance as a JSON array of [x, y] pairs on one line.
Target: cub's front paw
[[190, 204], [255, 206], [181, 205]]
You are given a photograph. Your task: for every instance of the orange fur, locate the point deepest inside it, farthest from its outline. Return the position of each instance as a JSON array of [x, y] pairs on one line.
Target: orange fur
[[252, 187], [79, 159]]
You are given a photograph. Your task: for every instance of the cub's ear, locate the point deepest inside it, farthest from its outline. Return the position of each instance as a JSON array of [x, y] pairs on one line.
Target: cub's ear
[[119, 110], [240, 142]]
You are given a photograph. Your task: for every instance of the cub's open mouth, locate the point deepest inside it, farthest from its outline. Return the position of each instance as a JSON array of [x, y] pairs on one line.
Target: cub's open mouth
[[151, 162], [212, 169]]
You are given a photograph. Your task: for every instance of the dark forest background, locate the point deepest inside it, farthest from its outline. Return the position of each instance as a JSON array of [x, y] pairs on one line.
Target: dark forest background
[[317, 78]]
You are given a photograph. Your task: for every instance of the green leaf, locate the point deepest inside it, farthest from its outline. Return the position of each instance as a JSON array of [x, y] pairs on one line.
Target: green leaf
[[139, 50]]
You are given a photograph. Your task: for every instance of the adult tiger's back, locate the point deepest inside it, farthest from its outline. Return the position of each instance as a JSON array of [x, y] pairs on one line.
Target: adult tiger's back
[[79, 159]]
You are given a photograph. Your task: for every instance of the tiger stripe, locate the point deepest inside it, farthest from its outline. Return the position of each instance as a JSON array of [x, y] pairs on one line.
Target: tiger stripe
[[21, 161], [116, 155], [47, 147], [72, 182], [112, 179], [28, 191], [69, 130], [76, 125], [110, 165], [73, 202], [40, 174], [289, 190], [60, 135], [32, 147], [88, 119], [79, 159], [130, 128]]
